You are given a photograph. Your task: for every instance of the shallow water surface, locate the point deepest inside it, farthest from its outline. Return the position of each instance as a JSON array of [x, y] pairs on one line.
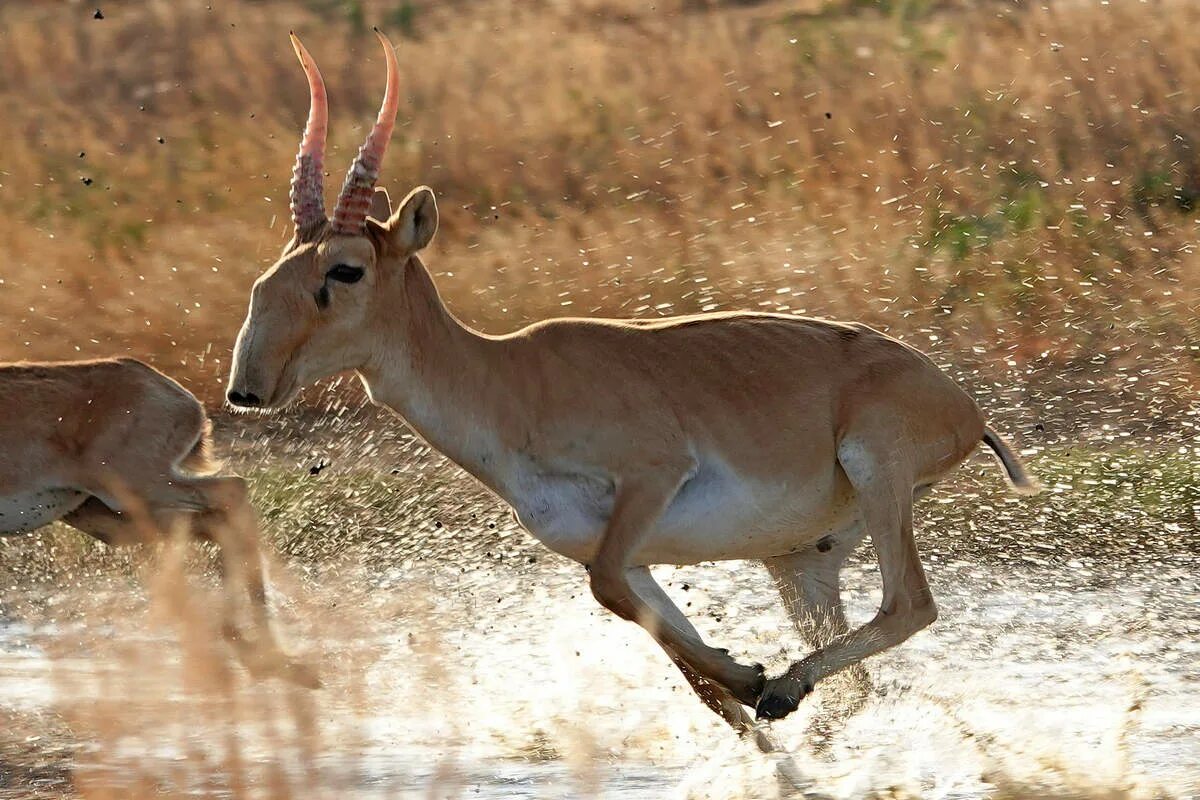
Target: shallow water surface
[[502, 683]]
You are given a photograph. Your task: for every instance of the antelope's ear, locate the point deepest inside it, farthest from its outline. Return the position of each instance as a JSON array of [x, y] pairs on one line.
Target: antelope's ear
[[415, 222], [381, 205]]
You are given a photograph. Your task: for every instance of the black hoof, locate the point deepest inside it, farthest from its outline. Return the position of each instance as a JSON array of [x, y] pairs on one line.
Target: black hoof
[[749, 696], [775, 706], [780, 698]]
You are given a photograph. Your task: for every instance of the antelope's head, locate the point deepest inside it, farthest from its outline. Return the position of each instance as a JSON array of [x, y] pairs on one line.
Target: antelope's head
[[310, 314]]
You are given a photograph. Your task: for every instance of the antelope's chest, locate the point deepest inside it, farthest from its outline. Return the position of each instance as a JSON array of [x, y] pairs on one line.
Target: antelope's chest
[[566, 512], [26, 510]]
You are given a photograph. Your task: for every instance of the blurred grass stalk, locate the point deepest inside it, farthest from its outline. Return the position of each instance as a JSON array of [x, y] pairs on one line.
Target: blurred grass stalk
[[1017, 181]]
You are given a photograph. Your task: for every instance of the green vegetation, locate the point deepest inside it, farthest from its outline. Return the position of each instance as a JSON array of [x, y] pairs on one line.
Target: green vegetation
[[1118, 503]]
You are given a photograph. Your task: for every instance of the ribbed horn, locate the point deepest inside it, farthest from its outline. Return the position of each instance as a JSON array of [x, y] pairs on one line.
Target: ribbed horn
[[308, 204], [350, 214]]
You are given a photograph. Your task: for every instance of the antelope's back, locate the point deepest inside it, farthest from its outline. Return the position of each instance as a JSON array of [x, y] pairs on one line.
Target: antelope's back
[[50, 411], [757, 387], [755, 357]]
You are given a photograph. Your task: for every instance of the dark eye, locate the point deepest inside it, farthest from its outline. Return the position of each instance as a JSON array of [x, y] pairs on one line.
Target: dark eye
[[344, 273]]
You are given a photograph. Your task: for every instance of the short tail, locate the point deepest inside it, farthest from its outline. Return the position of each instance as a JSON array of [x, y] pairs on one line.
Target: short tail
[[1020, 480], [199, 460]]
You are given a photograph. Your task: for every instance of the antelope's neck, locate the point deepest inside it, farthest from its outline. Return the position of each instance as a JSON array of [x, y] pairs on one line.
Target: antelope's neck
[[448, 382]]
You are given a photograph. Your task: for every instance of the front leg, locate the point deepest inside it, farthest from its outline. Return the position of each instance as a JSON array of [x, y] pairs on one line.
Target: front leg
[[713, 695], [639, 503]]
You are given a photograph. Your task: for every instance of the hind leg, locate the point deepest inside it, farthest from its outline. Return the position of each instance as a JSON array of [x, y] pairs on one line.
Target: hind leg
[[146, 518], [96, 519], [229, 521], [219, 511], [883, 479], [141, 526], [809, 585]]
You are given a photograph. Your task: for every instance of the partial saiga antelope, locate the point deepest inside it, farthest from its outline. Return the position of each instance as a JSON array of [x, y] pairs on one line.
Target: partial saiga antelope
[[627, 443], [120, 451]]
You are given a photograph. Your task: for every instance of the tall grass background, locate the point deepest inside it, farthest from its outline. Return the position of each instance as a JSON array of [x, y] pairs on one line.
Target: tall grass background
[[1006, 181]]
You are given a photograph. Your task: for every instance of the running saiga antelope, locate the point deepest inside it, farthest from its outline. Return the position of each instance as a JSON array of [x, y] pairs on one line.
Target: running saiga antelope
[[120, 451], [627, 443]]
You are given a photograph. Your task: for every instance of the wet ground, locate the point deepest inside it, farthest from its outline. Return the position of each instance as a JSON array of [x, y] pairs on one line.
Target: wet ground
[[461, 660], [520, 688]]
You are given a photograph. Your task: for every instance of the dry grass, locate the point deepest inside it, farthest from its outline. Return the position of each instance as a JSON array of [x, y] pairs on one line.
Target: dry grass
[[1019, 180], [1001, 182]]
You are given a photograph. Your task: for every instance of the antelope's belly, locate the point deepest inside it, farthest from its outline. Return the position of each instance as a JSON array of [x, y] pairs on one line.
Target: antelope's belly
[[719, 515], [25, 511], [716, 515]]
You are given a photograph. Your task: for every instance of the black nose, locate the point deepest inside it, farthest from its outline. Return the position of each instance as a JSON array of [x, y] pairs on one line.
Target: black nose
[[247, 400]]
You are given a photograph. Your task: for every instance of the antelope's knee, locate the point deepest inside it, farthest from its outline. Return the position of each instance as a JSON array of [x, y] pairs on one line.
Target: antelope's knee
[[920, 612], [925, 612], [228, 501], [611, 590], [922, 608], [909, 614]]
